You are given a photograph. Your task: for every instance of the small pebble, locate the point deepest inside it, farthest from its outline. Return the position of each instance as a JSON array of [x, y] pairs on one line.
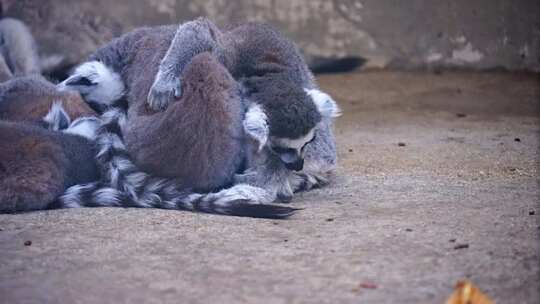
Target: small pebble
[[461, 115], [329, 219], [401, 144], [27, 243], [452, 240], [285, 240], [517, 139], [408, 229], [368, 285], [461, 246], [532, 212], [350, 150]]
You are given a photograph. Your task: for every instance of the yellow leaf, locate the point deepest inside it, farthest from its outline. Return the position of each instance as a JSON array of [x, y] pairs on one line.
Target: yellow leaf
[[466, 293]]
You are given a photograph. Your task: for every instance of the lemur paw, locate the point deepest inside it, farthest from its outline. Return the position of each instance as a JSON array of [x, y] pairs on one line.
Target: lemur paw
[[162, 92], [301, 181]]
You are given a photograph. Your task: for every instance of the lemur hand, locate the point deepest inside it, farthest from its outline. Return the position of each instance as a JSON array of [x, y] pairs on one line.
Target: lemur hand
[[163, 91], [276, 185]]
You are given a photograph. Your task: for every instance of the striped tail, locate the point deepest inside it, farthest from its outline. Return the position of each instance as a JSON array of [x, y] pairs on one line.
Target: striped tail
[[124, 185]]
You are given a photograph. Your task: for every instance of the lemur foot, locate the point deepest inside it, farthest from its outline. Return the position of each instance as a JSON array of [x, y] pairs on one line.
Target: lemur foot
[[163, 91]]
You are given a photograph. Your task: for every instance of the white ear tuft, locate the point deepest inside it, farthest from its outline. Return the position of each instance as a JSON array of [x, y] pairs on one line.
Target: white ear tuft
[[85, 127], [325, 104], [57, 118], [256, 124]]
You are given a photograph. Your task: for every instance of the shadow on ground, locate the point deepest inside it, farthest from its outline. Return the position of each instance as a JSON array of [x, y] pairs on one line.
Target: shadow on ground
[[438, 181]]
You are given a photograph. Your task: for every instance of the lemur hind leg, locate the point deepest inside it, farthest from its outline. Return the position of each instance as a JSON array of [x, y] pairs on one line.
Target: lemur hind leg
[[18, 47], [30, 168], [199, 138]]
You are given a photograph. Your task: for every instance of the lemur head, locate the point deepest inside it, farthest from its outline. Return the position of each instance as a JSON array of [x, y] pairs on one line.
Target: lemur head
[[284, 117], [99, 86]]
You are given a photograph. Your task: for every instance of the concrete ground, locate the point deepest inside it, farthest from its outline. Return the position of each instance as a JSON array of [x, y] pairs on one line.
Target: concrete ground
[[438, 181]]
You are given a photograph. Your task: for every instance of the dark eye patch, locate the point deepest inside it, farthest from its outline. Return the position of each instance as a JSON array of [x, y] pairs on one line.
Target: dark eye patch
[[80, 81]]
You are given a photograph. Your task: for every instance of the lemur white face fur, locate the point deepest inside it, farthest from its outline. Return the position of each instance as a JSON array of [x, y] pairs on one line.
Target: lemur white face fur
[[289, 150], [96, 83]]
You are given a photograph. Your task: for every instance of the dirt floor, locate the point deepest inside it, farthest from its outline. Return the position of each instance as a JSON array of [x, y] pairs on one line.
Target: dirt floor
[[438, 182]]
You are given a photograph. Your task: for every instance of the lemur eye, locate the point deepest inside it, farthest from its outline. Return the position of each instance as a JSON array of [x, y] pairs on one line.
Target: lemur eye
[[312, 139]]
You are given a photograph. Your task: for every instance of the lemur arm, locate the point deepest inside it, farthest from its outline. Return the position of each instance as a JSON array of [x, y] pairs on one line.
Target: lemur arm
[[191, 38]]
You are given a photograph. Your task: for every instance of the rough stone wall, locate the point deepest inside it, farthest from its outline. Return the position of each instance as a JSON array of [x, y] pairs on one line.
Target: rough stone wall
[[389, 33]]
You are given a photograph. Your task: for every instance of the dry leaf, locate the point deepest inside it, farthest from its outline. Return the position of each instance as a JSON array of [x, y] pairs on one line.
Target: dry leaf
[[466, 293]]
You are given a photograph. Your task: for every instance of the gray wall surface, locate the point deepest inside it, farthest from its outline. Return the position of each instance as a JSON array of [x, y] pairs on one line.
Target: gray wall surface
[[475, 34]]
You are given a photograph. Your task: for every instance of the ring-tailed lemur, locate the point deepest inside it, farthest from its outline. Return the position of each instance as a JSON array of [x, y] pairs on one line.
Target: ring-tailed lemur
[[38, 164], [258, 51], [123, 62]]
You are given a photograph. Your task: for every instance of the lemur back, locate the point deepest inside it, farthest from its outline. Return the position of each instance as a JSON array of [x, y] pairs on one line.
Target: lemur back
[[38, 165], [30, 98], [199, 139]]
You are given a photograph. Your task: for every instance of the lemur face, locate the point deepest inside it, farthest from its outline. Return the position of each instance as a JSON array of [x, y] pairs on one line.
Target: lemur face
[[291, 151], [305, 114], [98, 85]]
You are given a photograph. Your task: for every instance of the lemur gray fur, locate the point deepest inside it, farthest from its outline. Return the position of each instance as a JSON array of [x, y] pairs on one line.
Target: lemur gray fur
[[130, 59], [18, 49]]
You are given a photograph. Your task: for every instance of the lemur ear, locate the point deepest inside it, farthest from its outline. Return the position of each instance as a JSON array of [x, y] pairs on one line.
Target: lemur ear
[[325, 104], [57, 118], [256, 124]]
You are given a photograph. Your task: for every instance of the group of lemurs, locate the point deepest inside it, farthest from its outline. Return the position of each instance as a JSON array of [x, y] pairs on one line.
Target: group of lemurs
[[192, 117]]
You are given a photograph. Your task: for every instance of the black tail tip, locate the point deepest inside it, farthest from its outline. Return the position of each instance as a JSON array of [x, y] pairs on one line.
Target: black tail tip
[[324, 65], [262, 211]]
